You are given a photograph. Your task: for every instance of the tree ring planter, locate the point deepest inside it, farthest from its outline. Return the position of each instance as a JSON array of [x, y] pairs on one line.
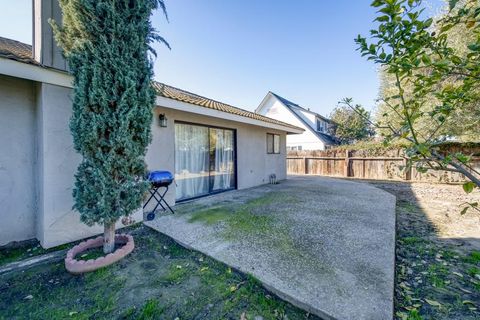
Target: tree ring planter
[[81, 266]]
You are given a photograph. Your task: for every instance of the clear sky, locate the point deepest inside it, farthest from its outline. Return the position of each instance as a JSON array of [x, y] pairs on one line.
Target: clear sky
[[236, 51]]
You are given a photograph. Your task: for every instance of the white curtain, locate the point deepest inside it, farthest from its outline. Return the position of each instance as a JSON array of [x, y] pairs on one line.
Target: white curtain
[[221, 141], [204, 160], [191, 161]]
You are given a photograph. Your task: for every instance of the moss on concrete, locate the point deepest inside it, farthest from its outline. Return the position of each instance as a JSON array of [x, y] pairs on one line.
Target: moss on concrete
[[254, 217]]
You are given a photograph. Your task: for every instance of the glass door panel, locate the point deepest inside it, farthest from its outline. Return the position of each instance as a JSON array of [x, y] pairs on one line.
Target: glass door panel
[[191, 161], [222, 159], [204, 160]]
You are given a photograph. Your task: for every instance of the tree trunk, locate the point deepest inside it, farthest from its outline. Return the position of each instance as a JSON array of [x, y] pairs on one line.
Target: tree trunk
[[109, 238]]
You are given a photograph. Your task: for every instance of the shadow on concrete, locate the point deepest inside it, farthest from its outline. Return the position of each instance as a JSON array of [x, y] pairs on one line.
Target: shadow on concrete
[[437, 275]]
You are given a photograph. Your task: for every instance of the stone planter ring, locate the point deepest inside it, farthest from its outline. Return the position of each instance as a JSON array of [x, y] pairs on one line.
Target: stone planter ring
[[81, 266]]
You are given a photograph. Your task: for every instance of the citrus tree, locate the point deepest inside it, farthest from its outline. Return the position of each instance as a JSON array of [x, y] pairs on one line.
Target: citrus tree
[[107, 46], [350, 126], [415, 52]]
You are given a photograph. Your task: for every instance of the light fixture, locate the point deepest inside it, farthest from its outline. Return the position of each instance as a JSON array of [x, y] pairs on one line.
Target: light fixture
[[162, 120]]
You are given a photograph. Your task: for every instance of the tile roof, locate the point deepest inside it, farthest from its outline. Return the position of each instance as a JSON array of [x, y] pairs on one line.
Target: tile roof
[[16, 50], [326, 138], [22, 52], [192, 98]]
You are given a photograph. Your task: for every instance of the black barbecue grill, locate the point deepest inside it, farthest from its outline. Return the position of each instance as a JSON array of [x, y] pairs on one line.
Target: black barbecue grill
[[158, 179]]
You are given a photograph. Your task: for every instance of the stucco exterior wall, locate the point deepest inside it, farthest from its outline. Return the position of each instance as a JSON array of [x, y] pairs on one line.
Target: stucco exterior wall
[[254, 165], [38, 161], [57, 223], [17, 159]]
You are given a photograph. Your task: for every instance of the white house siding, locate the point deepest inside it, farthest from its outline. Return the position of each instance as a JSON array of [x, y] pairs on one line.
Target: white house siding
[[17, 154], [273, 108]]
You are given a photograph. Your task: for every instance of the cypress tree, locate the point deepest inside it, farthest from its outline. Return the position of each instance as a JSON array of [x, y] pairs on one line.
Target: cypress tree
[[107, 46]]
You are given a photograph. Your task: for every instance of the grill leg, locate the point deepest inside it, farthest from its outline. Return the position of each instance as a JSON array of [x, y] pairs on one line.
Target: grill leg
[[162, 199], [152, 194], [159, 200]]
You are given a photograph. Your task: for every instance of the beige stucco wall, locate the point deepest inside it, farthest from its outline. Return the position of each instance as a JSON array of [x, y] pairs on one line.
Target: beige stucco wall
[[38, 162], [56, 222], [254, 165], [17, 154]]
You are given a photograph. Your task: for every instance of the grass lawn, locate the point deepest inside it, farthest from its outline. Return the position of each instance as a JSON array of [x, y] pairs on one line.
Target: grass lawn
[[159, 280]]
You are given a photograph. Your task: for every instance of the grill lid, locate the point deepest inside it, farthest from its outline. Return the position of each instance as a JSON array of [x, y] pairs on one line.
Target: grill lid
[[160, 178]]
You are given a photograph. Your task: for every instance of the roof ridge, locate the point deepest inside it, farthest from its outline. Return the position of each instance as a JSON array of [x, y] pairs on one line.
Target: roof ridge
[[13, 40], [299, 106]]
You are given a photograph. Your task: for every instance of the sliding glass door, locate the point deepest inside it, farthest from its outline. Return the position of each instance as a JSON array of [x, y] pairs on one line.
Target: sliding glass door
[[204, 160]]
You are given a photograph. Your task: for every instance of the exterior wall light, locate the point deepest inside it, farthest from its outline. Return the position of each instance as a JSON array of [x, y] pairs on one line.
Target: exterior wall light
[[162, 120]]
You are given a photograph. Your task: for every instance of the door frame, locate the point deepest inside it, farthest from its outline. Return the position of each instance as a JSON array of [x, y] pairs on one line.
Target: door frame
[[235, 164]]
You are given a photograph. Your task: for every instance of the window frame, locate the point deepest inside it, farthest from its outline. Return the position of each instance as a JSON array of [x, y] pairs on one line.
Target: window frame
[[273, 139]]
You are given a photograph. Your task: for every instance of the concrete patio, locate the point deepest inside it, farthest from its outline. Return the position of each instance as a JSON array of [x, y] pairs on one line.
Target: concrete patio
[[323, 244]]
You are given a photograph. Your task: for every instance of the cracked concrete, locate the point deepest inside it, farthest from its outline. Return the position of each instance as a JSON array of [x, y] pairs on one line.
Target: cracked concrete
[[328, 246]]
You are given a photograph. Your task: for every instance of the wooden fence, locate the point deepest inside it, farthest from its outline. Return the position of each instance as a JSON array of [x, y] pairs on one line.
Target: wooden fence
[[357, 164]]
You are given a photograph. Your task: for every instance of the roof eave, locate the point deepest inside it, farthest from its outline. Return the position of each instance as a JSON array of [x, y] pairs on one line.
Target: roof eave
[[193, 108]]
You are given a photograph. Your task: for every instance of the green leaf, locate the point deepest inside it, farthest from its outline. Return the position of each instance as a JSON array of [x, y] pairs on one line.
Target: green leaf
[[426, 59], [469, 186], [452, 4], [433, 303], [474, 47]]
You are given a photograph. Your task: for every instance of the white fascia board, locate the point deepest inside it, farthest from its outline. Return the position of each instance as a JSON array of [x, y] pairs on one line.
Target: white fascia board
[[32, 72], [191, 108], [262, 104]]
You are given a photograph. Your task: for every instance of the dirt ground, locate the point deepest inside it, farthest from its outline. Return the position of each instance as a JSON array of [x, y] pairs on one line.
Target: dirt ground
[[440, 207], [437, 252]]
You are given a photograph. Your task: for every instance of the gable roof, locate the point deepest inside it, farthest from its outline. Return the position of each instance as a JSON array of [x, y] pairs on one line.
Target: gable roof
[[293, 107], [22, 52]]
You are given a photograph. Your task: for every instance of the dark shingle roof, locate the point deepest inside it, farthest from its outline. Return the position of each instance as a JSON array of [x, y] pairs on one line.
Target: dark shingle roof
[[188, 97], [16, 50], [289, 104], [327, 139], [22, 52]]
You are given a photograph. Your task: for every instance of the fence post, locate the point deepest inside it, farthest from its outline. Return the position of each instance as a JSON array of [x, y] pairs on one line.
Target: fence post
[[407, 170], [306, 165], [346, 169]]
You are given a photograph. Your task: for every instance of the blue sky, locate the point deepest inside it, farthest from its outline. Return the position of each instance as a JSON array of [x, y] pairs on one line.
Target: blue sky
[[236, 51]]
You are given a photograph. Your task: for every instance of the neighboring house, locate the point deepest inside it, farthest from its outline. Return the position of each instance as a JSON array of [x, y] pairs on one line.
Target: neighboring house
[[210, 146], [315, 137]]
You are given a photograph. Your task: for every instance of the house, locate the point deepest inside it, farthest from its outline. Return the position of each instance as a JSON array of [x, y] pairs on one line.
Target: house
[[316, 135], [210, 146]]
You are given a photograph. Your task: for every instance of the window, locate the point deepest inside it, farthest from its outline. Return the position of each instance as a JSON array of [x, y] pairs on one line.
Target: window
[[319, 125], [204, 160], [273, 143]]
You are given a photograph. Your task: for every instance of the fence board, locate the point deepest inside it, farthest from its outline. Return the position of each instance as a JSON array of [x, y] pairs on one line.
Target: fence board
[[341, 163]]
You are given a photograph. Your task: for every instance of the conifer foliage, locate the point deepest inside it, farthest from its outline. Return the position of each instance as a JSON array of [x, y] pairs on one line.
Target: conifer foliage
[[107, 47]]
